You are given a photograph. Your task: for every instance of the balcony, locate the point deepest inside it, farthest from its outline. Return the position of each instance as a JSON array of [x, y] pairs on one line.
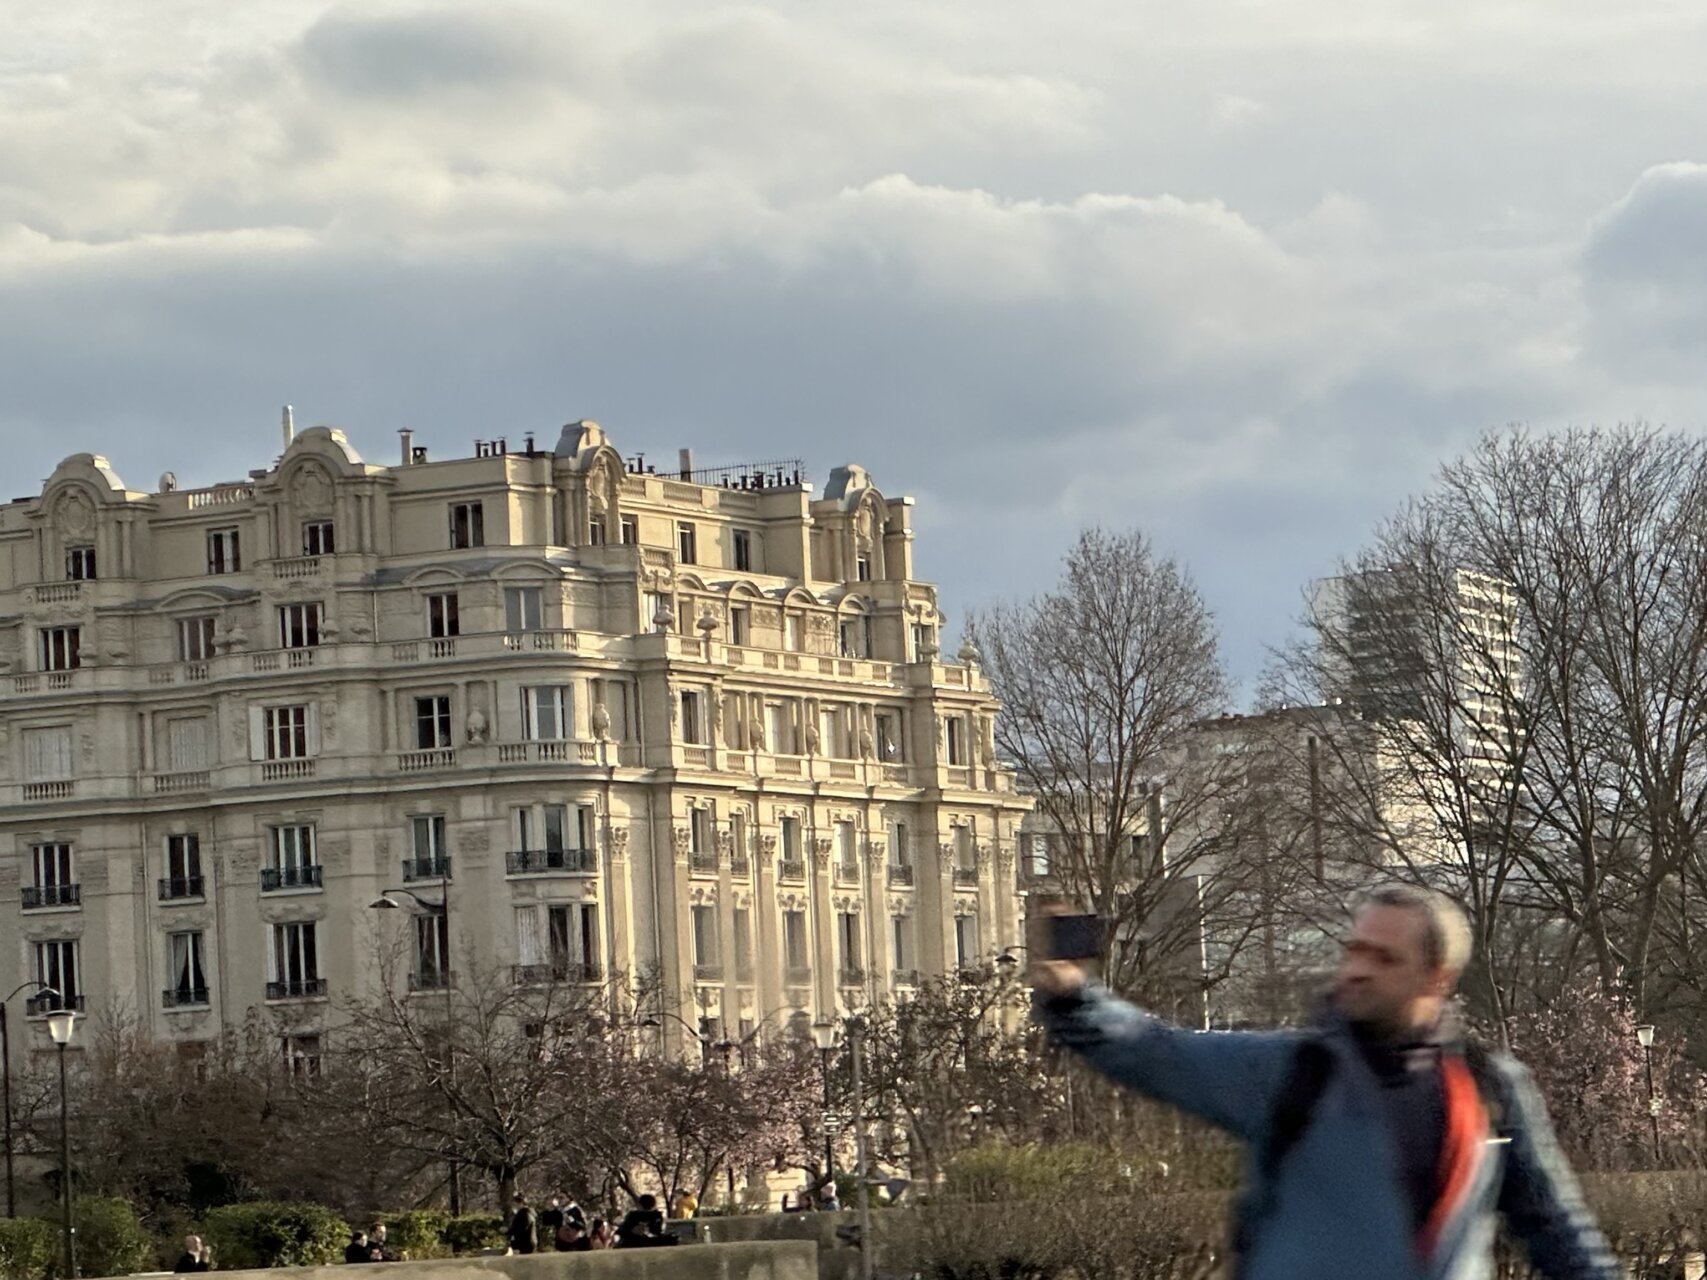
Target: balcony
[[708, 973], [426, 760], [297, 989], [286, 770], [533, 862], [426, 869], [791, 871], [702, 863], [183, 997], [541, 975], [966, 877], [296, 568], [739, 866], [177, 888], [44, 1004], [42, 897], [540, 641], [276, 878], [900, 876], [553, 752], [171, 784], [847, 873], [850, 976], [49, 790], [432, 980]]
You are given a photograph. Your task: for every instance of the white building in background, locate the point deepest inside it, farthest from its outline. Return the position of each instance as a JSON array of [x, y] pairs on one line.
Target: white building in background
[[692, 724]]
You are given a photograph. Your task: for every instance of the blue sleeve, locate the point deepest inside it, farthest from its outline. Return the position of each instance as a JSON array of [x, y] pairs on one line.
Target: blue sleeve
[[1224, 1077], [1540, 1198]]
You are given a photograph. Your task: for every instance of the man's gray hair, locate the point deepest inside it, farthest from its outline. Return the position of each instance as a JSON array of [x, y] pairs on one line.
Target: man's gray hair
[[1447, 939]]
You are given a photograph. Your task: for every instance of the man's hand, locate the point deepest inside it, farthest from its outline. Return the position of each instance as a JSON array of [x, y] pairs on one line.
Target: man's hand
[[1051, 977]]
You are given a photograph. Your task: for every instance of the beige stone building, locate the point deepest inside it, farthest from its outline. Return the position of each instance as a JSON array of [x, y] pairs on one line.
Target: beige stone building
[[694, 725]]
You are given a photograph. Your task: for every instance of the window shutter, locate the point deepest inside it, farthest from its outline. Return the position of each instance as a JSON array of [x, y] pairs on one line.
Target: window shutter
[[257, 733]]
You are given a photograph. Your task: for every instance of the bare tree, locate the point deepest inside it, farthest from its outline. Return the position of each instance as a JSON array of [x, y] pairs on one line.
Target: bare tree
[[1098, 679]]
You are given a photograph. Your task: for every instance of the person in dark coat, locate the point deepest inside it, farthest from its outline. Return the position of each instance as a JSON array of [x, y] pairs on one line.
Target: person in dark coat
[[357, 1250], [551, 1218], [524, 1227], [195, 1256], [643, 1227]]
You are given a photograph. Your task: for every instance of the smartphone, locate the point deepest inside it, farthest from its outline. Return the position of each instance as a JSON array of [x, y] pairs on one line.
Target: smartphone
[[1075, 937]]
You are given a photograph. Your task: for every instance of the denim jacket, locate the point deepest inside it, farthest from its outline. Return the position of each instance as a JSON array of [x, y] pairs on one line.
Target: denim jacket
[[1334, 1209]]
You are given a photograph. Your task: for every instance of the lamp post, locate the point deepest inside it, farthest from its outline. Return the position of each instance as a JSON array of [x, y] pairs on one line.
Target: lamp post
[[825, 1034], [856, 1054], [1645, 1038], [6, 1071], [60, 1024], [440, 910]]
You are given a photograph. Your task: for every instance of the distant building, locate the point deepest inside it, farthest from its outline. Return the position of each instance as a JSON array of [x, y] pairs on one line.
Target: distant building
[[694, 725]]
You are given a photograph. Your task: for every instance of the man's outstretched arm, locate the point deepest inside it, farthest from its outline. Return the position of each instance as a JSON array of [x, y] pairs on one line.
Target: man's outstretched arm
[[1540, 1198]]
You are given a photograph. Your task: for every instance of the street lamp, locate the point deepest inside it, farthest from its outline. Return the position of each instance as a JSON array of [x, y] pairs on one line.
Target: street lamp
[[825, 1034], [42, 989], [60, 1024], [440, 910], [1645, 1038]]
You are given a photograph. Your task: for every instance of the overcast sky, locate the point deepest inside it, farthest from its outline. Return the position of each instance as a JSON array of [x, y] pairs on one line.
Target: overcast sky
[[1238, 272]]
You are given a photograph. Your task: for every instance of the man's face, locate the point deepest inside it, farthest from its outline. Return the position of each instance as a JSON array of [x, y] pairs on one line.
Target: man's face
[[379, 1233], [1385, 980]]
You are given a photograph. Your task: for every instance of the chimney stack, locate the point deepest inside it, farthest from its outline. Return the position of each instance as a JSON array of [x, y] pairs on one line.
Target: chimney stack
[[408, 445], [684, 462], [288, 423]]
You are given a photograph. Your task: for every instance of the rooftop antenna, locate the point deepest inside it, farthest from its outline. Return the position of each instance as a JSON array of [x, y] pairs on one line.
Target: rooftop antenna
[[288, 423]]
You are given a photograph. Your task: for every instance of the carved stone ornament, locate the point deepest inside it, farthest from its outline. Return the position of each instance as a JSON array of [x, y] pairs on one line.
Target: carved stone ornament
[[867, 744], [1005, 854], [475, 727], [767, 846], [813, 741], [601, 722], [74, 516], [821, 848], [981, 856], [756, 734], [682, 839], [311, 492], [876, 851], [619, 844], [725, 844]]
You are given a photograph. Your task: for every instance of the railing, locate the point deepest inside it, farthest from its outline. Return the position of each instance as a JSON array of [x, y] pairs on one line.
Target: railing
[[526, 862], [966, 877], [426, 868], [35, 897], [169, 674], [58, 592], [297, 659], [426, 759], [432, 980], [796, 975], [59, 679], [708, 973], [847, 873], [296, 567], [850, 976], [539, 975], [905, 978], [175, 783], [411, 650], [791, 870], [48, 790], [178, 997], [25, 684], [222, 495], [702, 864], [298, 989], [175, 887], [286, 770], [544, 641], [547, 752], [740, 865], [40, 1006], [899, 875], [273, 878]]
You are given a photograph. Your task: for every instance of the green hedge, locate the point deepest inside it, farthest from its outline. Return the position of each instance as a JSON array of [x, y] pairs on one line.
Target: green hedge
[[273, 1234], [418, 1233], [111, 1240], [29, 1248], [473, 1233]]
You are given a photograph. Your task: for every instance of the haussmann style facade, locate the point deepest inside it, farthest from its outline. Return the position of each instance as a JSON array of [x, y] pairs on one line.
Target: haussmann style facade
[[694, 725]]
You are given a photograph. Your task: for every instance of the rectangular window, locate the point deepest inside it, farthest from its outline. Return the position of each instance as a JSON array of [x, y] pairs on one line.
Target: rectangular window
[[738, 833], [794, 945], [846, 853], [285, 732], [889, 736], [702, 839], [956, 735], [791, 839], [559, 936], [189, 982], [432, 722], [795, 628], [57, 967], [80, 564], [530, 946], [524, 609], [184, 861], [693, 720], [740, 626], [556, 827], [317, 538], [195, 638], [546, 713], [427, 840], [52, 864], [301, 1055], [443, 619], [900, 845], [590, 939], [48, 754], [743, 931], [687, 543], [224, 554], [630, 531], [963, 857], [705, 935], [900, 932], [291, 850], [596, 531], [924, 642], [299, 625], [781, 729], [467, 525], [295, 960], [432, 950], [965, 941], [847, 929], [743, 551], [61, 648], [862, 568]]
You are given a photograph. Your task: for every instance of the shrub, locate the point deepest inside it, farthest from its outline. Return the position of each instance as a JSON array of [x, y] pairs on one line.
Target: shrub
[[1003, 1173], [270, 1234], [29, 1248], [418, 1233], [473, 1233], [111, 1240]]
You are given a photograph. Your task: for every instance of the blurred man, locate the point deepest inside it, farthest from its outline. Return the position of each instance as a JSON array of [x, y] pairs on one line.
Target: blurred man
[[1381, 1143]]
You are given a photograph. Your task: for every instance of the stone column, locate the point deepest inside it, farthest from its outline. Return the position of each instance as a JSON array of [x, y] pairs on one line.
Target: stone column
[[824, 933]]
